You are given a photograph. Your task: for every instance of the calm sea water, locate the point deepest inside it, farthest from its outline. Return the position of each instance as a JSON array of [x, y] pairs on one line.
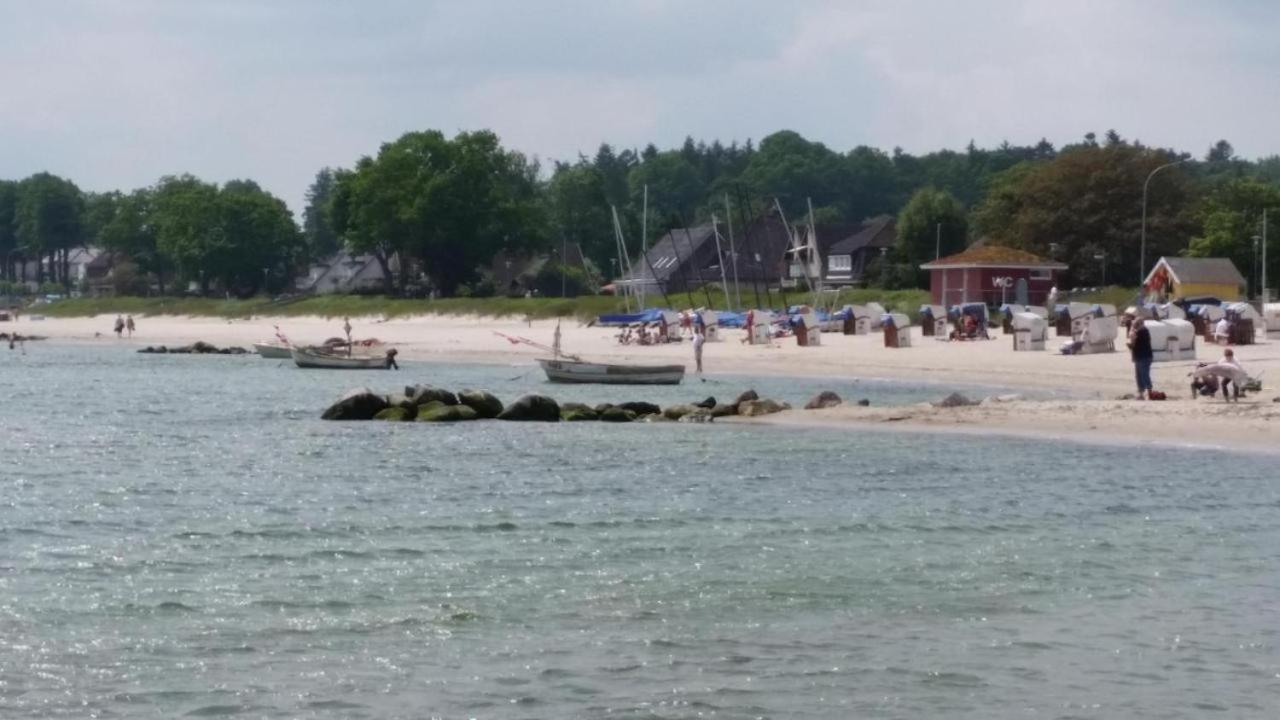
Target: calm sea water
[[181, 536]]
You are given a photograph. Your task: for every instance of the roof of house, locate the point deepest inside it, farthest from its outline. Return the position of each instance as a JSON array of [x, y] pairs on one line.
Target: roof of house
[[993, 256], [871, 235], [1210, 271], [672, 249]]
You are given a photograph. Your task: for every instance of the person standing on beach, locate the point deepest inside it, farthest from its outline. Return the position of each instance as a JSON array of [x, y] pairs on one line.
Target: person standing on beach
[[698, 339], [346, 328], [119, 326], [1140, 352], [128, 325]]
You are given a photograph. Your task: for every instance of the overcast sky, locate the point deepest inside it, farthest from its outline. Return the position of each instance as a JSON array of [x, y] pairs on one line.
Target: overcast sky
[[116, 93]]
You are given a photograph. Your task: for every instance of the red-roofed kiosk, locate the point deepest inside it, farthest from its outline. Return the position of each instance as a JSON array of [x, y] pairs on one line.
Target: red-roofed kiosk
[[992, 275]]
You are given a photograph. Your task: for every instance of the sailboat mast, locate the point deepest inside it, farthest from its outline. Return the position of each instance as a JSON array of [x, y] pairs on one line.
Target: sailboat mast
[[724, 282], [733, 254], [620, 248], [644, 237], [815, 259]]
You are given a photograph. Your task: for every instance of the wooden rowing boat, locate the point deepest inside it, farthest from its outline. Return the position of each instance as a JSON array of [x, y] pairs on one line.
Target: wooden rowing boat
[[576, 371], [274, 350], [316, 357]]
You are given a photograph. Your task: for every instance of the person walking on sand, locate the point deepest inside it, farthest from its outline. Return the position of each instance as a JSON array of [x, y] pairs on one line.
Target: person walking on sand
[[1140, 353], [698, 339], [119, 326], [129, 325]]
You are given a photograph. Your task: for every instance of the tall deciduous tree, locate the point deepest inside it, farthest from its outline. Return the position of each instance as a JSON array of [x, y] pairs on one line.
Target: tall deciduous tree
[[317, 224], [450, 204], [578, 202], [932, 222], [1232, 219], [50, 222], [1087, 203], [8, 229]]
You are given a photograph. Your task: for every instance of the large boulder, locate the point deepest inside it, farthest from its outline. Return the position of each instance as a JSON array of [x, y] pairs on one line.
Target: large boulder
[[755, 408], [436, 411], [824, 399], [483, 402], [723, 410], [641, 408], [955, 400], [201, 347], [357, 404], [535, 408], [675, 412], [395, 413], [747, 396], [699, 415], [577, 412], [422, 394], [708, 403], [617, 414]]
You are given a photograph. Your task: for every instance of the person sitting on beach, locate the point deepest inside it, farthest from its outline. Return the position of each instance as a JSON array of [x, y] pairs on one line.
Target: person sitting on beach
[[1222, 331], [1226, 374], [970, 328]]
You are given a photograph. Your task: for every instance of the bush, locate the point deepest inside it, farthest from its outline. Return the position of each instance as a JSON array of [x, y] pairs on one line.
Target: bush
[[554, 278]]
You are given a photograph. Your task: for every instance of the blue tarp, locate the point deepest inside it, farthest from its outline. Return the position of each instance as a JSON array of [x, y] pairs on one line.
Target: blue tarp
[[732, 319], [620, 319]]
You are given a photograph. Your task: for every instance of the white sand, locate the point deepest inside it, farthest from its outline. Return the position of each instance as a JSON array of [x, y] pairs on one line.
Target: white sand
[[993, 362]]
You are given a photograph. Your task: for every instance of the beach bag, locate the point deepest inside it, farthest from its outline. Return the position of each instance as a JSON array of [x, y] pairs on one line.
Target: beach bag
[[1157, 395]]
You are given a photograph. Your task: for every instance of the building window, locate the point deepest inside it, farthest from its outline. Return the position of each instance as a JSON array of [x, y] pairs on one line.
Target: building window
[[1042, 274], [840, 263]]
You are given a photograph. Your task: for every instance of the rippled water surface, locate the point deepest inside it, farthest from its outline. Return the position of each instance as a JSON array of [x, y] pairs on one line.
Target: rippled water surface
[[181, 536]]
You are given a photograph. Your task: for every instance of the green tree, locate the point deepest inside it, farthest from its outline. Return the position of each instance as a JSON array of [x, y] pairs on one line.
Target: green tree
[[1088, 201], [317, 223], [8, 229], [50, 222], [187, 227], [1232, 218], [578, 205], [448, 204], [932, 223], [261, 242], [129, 231]]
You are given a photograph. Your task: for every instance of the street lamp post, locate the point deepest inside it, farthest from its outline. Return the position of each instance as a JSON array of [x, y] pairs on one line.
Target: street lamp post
[[1142, 253], [1102, 258]]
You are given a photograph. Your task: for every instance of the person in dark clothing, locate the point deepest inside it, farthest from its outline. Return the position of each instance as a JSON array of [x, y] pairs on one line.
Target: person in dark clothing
[[391, 359], [1140, 352]]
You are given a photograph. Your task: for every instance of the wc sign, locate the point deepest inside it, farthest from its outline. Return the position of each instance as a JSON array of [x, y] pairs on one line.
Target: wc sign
[[1002, 282]]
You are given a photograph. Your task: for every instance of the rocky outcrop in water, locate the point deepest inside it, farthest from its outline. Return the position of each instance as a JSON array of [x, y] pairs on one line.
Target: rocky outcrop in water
[[358, 404], [955, 400], [532, 408], [196, 348], [824, 399], [429, 404], [756, 408], [485, 404]]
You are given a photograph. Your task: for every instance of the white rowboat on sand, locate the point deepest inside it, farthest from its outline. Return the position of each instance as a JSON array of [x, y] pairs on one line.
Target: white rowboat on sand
[[273, 350]]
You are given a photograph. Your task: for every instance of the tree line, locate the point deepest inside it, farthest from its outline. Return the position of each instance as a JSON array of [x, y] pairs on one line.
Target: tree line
[[434, 210]]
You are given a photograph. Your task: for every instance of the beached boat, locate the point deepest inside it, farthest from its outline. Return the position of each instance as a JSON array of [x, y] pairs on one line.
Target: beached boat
[[577, 371], [274, 350], [318, 357]]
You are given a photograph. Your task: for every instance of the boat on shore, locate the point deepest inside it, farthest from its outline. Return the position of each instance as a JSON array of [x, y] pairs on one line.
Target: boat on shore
[[560, 370], [274, 350], [319, 357]]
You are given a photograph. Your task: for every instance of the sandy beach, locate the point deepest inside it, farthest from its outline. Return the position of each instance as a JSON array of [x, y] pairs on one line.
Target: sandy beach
[[1085, 388]]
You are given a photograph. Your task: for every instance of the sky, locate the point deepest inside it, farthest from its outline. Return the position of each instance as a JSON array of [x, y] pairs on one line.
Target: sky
[[114, 94]]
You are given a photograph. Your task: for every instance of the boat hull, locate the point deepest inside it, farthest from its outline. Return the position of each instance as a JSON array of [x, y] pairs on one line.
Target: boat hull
[[273, 351], [313, 358], [568, 371]]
